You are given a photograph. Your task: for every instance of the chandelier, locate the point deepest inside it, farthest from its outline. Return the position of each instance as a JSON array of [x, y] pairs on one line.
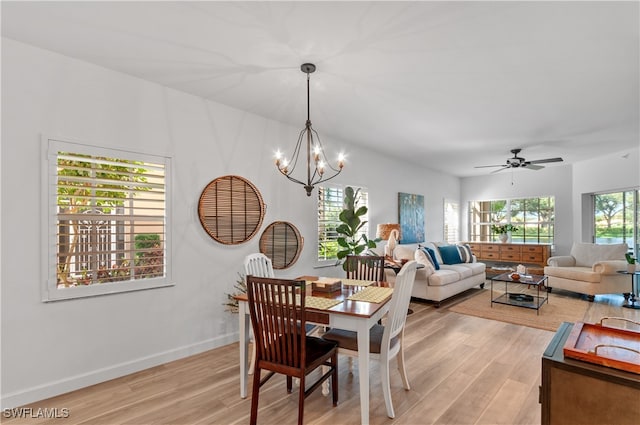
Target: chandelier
[[317, 163]]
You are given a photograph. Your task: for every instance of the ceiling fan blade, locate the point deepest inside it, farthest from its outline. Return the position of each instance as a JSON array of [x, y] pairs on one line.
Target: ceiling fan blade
[[544, 161], [533, 167], [487, 166], [504, 167]]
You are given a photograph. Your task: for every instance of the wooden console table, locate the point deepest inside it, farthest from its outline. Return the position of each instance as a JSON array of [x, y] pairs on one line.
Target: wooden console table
[[578, 392], [512, 253]]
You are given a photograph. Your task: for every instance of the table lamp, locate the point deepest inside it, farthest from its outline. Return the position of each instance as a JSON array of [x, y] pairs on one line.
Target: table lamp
[[389, 232]]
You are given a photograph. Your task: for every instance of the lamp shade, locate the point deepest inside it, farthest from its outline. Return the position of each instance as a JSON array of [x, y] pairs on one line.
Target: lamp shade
[[384, 230]]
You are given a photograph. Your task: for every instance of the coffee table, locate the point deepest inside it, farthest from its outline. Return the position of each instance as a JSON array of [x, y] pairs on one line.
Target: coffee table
[[520, 299]]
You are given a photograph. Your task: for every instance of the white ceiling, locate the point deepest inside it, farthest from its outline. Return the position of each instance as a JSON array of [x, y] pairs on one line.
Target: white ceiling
[[448, 85]]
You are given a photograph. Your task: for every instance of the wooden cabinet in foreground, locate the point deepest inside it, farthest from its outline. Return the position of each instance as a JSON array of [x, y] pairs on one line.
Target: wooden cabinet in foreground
[[579, 392]]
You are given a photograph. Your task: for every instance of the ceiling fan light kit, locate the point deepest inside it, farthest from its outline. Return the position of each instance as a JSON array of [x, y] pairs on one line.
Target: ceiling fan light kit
[[520, 162]]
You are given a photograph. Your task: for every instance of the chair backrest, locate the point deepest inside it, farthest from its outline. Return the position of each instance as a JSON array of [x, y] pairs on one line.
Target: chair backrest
[[587, 254], [258, 265], [276, 307], [399, 303], [365, 267]]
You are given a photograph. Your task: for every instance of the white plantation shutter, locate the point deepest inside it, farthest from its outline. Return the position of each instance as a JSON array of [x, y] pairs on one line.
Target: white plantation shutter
[[451, 221], [106, 219]]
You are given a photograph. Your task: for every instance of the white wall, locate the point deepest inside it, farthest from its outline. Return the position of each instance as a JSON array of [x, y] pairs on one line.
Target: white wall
[[50, 348]]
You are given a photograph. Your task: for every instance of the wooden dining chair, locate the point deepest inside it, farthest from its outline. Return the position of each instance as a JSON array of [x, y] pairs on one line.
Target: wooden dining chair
[[386, 342], [277, 309], [365, 267]]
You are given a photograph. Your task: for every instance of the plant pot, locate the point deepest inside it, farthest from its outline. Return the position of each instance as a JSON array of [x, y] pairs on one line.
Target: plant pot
[[503, 237], [631, 268]]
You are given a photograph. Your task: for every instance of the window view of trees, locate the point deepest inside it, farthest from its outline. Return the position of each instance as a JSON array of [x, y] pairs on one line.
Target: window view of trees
[[533, 219], [616, 218], [110, 215]]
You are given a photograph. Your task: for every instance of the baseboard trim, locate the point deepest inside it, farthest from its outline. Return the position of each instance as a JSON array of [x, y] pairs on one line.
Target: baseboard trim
[[55, 388]]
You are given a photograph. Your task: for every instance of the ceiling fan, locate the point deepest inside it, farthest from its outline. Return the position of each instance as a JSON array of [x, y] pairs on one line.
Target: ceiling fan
[[517, 162]]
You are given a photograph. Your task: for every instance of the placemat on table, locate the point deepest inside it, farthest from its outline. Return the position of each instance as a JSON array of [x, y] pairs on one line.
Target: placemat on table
[[357, 282], [320, 303], [372, 294]]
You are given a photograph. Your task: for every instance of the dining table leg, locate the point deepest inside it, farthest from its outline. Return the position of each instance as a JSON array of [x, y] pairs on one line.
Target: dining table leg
[[363, 371], [244, 347]]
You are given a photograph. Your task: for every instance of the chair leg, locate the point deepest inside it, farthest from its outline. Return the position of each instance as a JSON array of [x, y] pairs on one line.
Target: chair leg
[[325, 384], [334, 379], [254, 397], [301, 402], [252, 357], [401, 367], [386, 387], [289, 381]]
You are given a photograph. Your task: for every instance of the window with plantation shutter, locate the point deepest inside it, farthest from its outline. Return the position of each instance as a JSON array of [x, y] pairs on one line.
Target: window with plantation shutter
[[330, 204], [107, 221], [451, 220]]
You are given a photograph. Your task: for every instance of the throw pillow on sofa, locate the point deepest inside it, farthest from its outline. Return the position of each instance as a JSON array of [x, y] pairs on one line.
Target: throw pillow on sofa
[[422, 258], [450, 254], [432, 254], [465, 253]]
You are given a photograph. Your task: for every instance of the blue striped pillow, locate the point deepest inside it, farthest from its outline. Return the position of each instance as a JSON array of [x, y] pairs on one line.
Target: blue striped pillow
[[465, 253]]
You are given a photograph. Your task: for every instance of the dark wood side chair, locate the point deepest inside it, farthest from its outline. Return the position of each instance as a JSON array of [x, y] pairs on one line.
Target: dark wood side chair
[[365, 267], [278, 320]]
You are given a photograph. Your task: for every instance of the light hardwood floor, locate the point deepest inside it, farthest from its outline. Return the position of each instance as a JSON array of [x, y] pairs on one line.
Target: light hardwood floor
[[462, 370]]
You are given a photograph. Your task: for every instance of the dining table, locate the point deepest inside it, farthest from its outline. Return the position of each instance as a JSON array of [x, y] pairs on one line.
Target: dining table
[[357, 306]]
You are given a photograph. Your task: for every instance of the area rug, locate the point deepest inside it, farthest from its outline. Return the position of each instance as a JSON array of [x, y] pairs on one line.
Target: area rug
[[559, 309]]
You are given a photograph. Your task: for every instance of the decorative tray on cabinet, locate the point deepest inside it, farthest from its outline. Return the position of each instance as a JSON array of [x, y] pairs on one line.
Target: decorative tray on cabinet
[[605, 346]]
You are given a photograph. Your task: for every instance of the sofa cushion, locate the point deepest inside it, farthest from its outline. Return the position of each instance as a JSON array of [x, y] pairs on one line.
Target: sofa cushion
[[464, 272], [587, 254], [584, 274], [444, 277], [450, 254], [476, 268], [434, 259], [465, 253]]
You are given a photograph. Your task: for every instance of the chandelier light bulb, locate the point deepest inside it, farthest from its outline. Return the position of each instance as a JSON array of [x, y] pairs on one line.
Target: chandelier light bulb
[[316, 153]]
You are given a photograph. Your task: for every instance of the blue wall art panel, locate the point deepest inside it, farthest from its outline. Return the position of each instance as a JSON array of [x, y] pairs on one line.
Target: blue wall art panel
[[411, 216]]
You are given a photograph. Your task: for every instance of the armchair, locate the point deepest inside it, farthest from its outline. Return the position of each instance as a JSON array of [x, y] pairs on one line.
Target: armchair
[[590, 269]]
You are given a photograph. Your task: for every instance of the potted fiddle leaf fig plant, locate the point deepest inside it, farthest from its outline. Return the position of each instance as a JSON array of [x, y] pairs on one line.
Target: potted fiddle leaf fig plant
[[351, 241]]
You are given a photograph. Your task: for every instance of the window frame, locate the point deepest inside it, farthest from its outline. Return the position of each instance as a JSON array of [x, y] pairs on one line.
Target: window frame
[[364, 230], [49, 221], [634, 218]]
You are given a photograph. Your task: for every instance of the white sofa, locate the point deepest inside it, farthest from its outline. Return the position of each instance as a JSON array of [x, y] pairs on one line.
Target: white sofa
[[590, 269], [438, 285]]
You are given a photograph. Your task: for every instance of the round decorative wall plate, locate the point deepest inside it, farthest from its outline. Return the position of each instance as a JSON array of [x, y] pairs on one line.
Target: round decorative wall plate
[[231, 209], [282, 243]]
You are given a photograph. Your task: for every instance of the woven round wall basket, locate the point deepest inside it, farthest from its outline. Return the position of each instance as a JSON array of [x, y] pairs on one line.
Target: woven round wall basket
[[231, 209], [282, 243]]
